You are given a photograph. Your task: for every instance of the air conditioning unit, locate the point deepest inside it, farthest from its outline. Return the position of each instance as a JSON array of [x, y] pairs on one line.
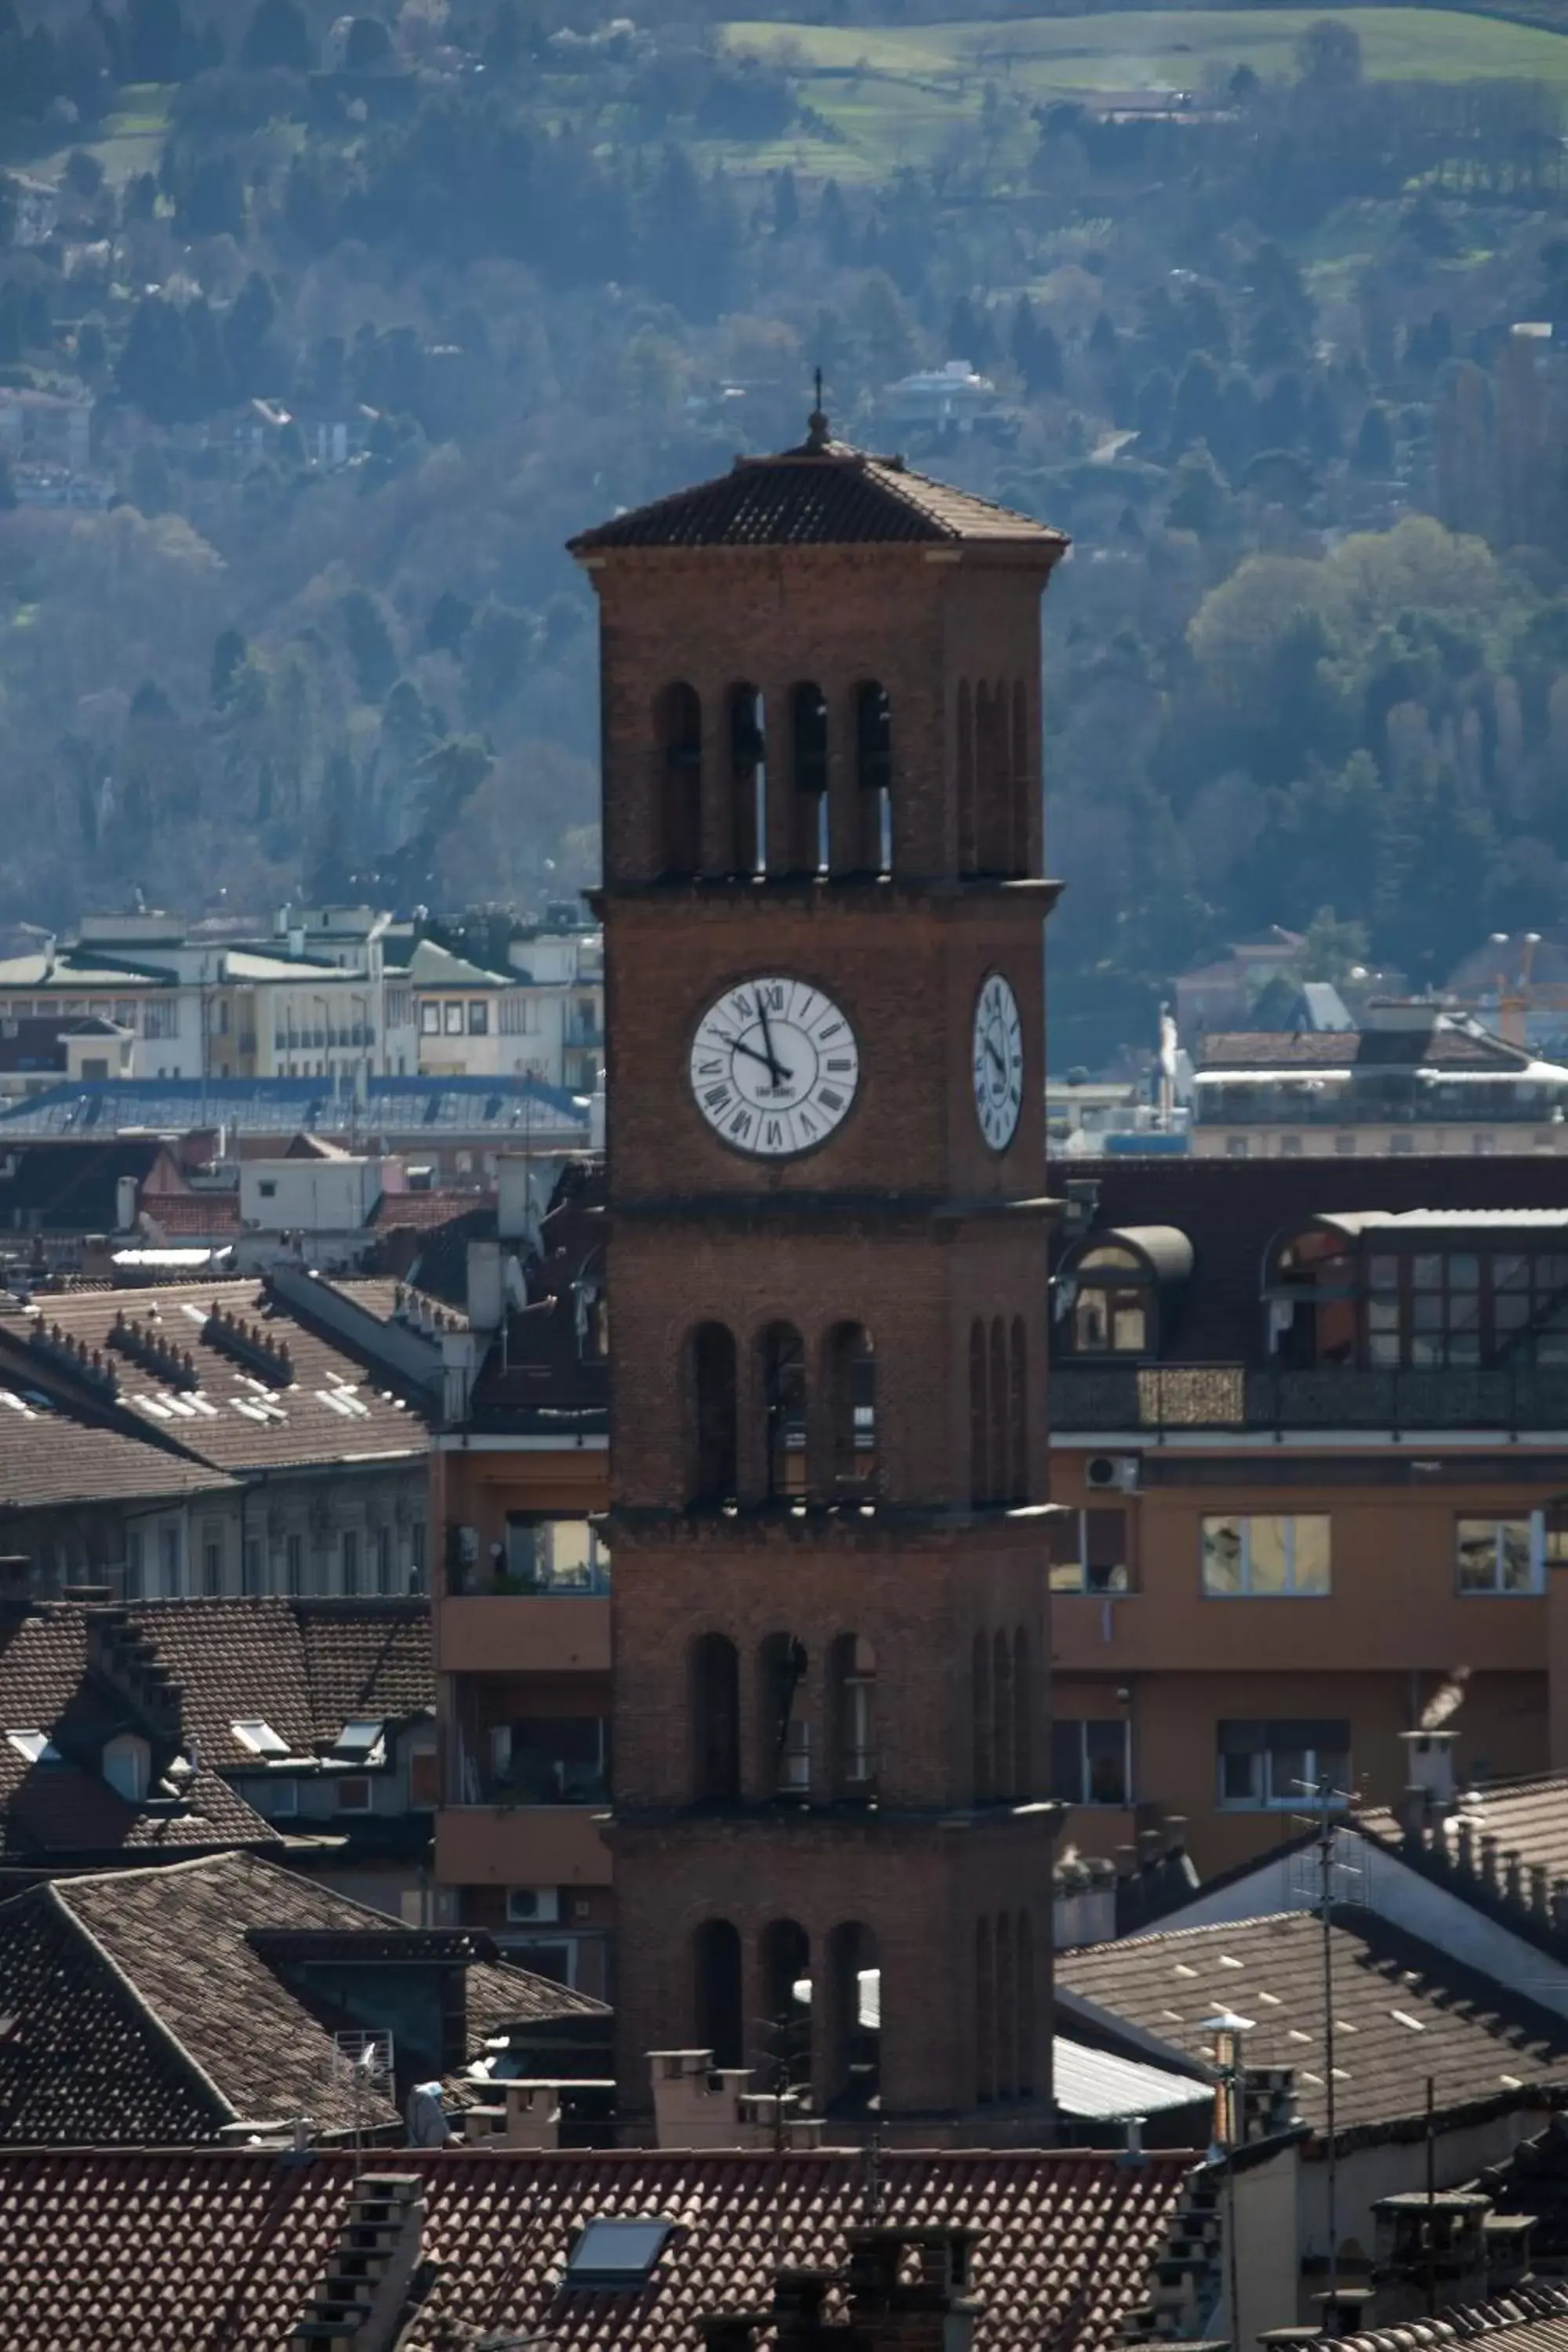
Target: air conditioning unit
[[1115, 1472], [533, 1907]]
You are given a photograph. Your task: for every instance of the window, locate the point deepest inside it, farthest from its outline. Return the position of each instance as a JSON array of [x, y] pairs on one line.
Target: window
[[715, 1720], [250, 1565], [126, 1764], [351, 1561], [874, 777], [384, 1560], [852, 1677], [417, 1542], [161, 1018], [424, 1781], [1266, 1556], [399, 1007], [517, 1014], [35, 1747], [294, 1566], [1433, 1309], [1089, 1551], [353, 1794], [713, 1414], [266, 1186], [168, 1560], [1509, 1556], [783, 1368], [680, 721], [1110, 1315], [1237, 1147], [212, 1561], [452, 1019], [361, 1741], [1091, 1762], [479, 1017], [256, 1736], [1277, 1766], [279, 1798], [616, 2253], [554, 1555], [133, 1558], [429, 1018]]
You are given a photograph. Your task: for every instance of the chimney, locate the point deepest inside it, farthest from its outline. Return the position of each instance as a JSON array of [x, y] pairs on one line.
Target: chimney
[[358, 2305], [529, 2116], [485, 1300], [699, 2104], [1429, 1764], [930, 2312]]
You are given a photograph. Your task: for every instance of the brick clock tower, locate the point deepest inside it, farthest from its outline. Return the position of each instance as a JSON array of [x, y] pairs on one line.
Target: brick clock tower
[[826, 1055]]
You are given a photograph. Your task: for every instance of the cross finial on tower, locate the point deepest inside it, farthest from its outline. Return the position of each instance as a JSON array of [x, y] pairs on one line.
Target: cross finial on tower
[[818, 435]]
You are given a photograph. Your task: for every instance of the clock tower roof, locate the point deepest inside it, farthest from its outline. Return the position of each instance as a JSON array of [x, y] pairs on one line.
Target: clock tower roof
[[823, 493]]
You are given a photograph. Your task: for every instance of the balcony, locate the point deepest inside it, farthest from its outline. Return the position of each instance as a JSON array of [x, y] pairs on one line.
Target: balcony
[[1178, 1398], [520, 1845], [523, 1633]]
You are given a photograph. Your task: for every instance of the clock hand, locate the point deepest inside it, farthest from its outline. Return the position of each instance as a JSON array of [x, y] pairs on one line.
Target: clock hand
[[780, 1073], [991, 1049], [776, 1071]]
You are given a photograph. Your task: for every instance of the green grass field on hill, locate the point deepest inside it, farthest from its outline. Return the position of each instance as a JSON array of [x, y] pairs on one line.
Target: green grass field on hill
[[895, 96]]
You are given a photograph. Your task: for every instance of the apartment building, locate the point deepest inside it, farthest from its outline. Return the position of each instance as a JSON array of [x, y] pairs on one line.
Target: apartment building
[[521, 1592], [1306, 1430], [343, 993], [1413, 1081]]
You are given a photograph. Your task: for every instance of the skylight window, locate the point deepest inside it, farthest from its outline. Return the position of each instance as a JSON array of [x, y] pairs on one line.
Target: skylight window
[[253, 1732], [360, 1740], [36, 1745], [1405, 2018], [616, 2253]]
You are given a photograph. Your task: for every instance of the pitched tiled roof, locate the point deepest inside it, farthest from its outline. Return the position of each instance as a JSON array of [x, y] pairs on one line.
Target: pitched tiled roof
[[1527, 2319], [833, 497], [1403, 2011], [190, 2250], [1518, 1828], [1442, 1045], [330, 1411], [307, 1667], [48, 1457], [203, 2030], [68, 1808]]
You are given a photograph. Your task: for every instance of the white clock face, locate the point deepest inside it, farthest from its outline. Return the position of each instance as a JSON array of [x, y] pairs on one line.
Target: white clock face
[[998, 1062], [773, 1067]]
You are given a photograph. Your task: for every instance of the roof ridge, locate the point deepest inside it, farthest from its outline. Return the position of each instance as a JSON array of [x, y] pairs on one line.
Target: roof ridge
[[1468, 2322], [134, 1992]]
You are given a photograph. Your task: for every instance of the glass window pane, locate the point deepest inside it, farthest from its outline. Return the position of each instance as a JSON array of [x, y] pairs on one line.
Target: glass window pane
[[1463, 1347], [1425, 1353], [1067, 1762], [1091, 1328], [1511, 1309], [1267, 1544], [1476, 1548], [1238, 1777], [1222, 1556], [1511, 1273], [1312, 1552], [1067, 1576], [1106, 1747], [1426, 1273], [1128, 1323], [1383, 1273], [1383, 1349], [1382, 1315], [1514, 1565], [1427, 1310], [1292, 1774], [1463, 1271], [1552, 1347]]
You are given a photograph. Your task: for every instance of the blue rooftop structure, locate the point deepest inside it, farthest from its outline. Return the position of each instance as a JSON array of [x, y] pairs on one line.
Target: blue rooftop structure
[[507, 1110]]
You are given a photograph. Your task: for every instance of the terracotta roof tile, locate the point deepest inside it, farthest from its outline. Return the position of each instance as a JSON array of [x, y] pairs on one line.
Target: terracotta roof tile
[[187, 2250], [204, 2030], [1531, 2318], [835, 496], [1407, 2010], [48, 1457], [331, 1410]]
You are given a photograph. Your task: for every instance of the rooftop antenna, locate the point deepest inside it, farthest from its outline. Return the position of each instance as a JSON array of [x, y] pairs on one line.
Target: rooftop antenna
[[361, 2063], [1329, 1798], [817, 436]]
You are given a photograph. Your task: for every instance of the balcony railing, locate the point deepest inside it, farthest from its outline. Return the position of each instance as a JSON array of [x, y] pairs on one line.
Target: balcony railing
[[1174, 1397]]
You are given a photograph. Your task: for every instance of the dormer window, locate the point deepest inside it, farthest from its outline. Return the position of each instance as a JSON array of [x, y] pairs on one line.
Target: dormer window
[[1110, 1313], [1112, 1291], [127, 1767]]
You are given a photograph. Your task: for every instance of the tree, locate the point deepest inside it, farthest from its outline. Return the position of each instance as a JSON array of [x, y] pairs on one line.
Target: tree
[[229, 652], [370, 643], [1328, 55], [276, 37], [155, 40], [83, 174], [1373, 451]]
